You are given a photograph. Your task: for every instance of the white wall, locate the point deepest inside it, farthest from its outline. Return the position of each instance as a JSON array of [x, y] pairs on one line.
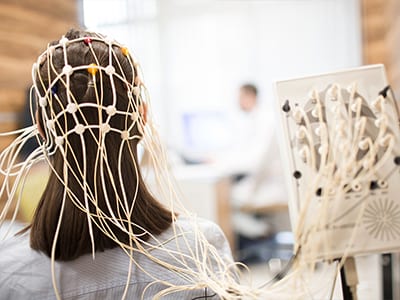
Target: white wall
[[195, 53]]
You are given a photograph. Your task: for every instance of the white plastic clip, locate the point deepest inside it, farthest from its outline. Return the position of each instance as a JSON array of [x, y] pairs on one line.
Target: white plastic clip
[[68, 70], [333, 92], [125, 135], [72, 108], [105, 127], [42, 101], [110, 70], [363, 145], [63, 41], [314, 112], [313, 95], [322, 150], [59, 140], [300, 134], [136, 90], [111, 110], [134, 116], [352, 88], [79, 129], [384, 141], [297, 115], [50, 124], [303, 153]]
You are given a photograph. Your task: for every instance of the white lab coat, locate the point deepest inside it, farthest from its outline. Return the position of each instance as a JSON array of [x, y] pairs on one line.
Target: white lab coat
[[255, 153], [251, 133]]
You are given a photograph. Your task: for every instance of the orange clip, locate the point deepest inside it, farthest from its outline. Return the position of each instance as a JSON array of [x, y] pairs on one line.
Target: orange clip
[[92, 69], [124, 51]]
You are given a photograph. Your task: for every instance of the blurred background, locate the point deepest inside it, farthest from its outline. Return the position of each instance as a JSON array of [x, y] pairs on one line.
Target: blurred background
[[210, 66]]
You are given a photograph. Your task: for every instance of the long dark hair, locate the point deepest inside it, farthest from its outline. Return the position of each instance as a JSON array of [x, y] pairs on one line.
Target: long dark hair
[[148, 214]]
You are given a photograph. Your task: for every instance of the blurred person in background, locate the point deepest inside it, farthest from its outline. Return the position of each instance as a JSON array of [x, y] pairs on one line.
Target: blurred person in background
[[253, 162], [250, 135]]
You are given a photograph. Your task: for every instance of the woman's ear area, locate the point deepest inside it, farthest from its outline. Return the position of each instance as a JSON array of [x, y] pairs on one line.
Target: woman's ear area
[[39, 127], [143, 108]]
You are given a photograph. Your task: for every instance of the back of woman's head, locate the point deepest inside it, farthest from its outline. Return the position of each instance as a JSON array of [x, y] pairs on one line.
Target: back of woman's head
[[92, 115], [84, 79]]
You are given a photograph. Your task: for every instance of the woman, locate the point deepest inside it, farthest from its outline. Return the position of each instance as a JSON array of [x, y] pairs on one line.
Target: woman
[[97, 232]]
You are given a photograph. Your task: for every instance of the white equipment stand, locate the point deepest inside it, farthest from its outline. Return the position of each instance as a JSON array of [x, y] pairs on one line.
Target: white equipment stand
[[341, 144]]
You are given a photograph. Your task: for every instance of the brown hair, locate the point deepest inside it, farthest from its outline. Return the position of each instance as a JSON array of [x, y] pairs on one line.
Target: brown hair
[[250, 88], [148, 214]]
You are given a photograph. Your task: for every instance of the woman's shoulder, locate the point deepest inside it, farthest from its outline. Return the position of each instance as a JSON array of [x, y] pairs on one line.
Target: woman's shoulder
[[22, 266], [15, 253], [13, 245], [23, 269], [191, 229], [190, 221], [198, 225]]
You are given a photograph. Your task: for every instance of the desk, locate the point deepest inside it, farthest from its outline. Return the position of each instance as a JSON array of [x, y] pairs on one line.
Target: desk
[[268, 208], [207, 192]]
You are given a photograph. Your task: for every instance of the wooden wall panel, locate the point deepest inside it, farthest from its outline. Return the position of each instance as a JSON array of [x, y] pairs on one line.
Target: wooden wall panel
[[26, 27], [381, 37], [12, 99]]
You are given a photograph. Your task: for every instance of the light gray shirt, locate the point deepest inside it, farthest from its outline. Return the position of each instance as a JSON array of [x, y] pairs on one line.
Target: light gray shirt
[[26, 273]]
